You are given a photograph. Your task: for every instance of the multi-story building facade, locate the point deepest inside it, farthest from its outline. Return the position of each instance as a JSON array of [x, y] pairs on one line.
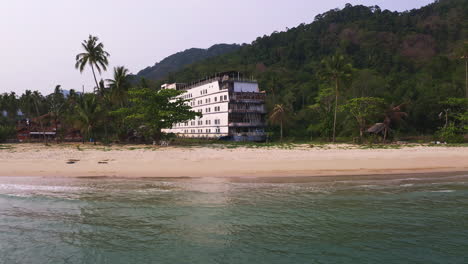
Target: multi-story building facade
[[232, 108]]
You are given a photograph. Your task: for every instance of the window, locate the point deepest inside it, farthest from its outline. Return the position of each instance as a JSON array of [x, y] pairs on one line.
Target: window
[[200, 123], [218, 130], [208, 131], [225, 97], [221, 98], [216, 99], [217, 121], [208, 122]]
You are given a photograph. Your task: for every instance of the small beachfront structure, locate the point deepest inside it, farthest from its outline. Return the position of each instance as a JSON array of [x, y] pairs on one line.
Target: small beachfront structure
[[233, 108]]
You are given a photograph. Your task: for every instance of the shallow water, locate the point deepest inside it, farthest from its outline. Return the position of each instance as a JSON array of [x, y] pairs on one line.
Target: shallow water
[[332, 220]]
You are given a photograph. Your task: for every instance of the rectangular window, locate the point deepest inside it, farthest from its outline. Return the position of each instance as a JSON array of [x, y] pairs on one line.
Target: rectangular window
[[225, 97]]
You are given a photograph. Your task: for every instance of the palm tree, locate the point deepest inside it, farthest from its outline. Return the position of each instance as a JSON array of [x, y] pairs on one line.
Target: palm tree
[[95, 56], [392, 116], [278, 116], [38, 101], [56, 105], [88, 115], [336, 70], [119, 85]]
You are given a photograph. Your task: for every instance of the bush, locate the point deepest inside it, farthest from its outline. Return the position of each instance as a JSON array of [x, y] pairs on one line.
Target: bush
[[450, 134], [6, 132]]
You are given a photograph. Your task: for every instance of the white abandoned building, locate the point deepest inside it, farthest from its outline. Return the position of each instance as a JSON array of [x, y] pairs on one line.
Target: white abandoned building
[[232, 108]]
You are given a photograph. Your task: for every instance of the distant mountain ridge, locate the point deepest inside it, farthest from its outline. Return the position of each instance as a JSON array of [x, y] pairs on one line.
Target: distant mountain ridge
[[179, 60]]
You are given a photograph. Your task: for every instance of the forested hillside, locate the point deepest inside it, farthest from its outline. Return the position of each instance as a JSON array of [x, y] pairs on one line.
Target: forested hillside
[[179, 60], [412, 57]]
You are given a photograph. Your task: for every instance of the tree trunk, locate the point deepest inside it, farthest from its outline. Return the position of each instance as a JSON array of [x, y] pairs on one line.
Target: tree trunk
[[466, 76], [446, 119], [281, 131], [94, 74], [385, 135], [336, 108]]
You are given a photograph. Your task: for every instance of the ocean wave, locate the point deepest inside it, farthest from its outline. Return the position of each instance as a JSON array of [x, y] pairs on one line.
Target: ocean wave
[[407, 185], [50, 188]]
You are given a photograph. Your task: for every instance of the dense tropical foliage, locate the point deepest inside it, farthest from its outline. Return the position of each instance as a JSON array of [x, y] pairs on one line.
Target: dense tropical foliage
[[350, 72], [415, 57]]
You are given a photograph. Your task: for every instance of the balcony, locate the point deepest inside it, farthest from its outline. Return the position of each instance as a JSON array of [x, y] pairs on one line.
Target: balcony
[[255, 110], [246, 124], [248, 97]]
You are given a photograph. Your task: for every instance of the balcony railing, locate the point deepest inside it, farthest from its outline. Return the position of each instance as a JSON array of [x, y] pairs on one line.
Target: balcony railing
[[248, 97], [256, 110], [246, 124], [250, 134]]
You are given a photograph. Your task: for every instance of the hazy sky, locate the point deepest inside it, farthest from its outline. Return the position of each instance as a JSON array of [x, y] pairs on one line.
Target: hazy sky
[[39, 39]]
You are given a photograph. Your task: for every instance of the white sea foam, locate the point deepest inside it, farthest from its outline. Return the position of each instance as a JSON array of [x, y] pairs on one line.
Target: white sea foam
[[443, 191], [50, 188], [407, 185]]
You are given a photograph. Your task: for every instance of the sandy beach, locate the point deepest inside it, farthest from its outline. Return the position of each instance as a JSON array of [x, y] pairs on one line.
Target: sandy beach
[[301, 160]]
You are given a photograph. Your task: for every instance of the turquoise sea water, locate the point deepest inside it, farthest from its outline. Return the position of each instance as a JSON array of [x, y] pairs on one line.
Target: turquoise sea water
[[324, 220]]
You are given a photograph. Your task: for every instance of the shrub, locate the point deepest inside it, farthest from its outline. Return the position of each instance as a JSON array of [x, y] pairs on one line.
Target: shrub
[[6, 132], [450, 134]]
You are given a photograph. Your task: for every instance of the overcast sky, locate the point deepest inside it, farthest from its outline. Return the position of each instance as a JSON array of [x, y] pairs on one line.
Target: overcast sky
[[39, 39]]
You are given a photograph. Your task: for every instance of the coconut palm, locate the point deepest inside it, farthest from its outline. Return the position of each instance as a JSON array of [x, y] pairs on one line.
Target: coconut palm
[[278, 116], [56, 102], [88, 115], [38, 102], [392, 116], [27, 104], [336, 70], [95, 56], [119, 86]]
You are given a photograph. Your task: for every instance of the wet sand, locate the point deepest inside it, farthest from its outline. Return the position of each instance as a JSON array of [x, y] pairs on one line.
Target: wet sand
[[216, 161]]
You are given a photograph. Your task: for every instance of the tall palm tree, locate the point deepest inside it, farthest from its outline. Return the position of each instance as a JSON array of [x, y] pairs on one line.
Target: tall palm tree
[[95, 56], [38, 102], [56, 109], [119, 85], [278, 116], [336, 70]]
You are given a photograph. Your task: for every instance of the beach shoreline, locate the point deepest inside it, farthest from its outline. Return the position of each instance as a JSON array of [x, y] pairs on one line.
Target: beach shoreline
[[122, 161]]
